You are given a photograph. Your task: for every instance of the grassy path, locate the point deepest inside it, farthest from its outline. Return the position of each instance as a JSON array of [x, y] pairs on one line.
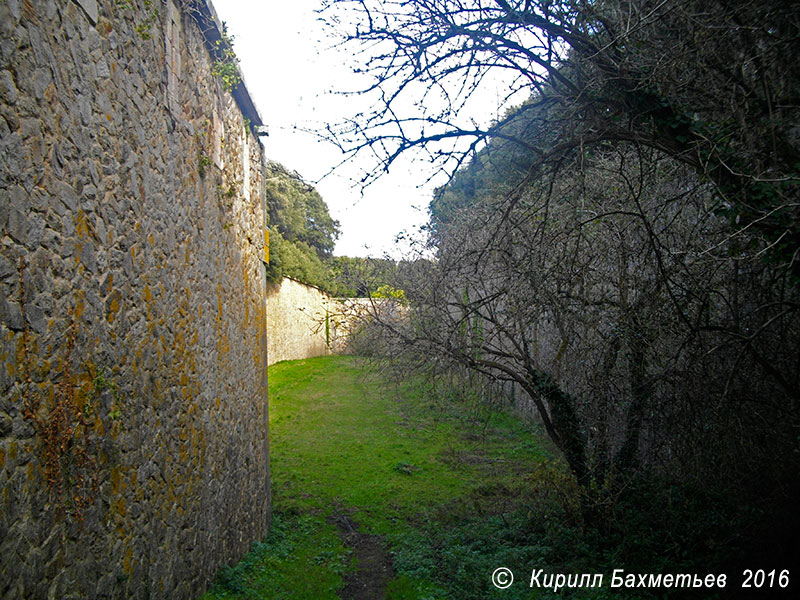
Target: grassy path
[[387, 491]]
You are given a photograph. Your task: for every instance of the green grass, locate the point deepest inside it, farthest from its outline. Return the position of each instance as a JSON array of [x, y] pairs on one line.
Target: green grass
[[448, 486]]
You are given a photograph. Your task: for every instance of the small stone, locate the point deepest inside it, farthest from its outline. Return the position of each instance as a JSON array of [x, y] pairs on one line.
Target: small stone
[[94, 173], [8, 88], [102, 69], [57, 160], [6, 267], [68, 248], [85, 109], [88, 257], [41, 79], [17, 226], [14, 317], [35, 318], [13, 7], [69, 197], [90, 8]]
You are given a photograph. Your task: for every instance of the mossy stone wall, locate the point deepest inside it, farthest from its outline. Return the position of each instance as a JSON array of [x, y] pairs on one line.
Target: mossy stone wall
[[133, 388]]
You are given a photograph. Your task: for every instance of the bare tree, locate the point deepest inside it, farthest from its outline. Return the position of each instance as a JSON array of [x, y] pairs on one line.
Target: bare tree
[[623, 245], [710, 84], [612, 296]]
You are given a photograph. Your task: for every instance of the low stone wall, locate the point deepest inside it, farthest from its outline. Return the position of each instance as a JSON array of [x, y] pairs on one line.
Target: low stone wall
[[298, 323], [346, 316], [133, 389]]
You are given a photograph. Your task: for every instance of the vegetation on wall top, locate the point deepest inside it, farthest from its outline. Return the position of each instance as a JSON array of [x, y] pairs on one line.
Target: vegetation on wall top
[[302, 238], [302, 232]]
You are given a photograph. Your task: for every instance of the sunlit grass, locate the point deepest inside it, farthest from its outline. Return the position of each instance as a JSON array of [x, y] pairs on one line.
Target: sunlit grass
[[394, 459]]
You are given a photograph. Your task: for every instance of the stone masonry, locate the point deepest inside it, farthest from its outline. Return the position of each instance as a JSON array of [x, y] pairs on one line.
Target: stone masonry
[[133, 387], [296, 321]]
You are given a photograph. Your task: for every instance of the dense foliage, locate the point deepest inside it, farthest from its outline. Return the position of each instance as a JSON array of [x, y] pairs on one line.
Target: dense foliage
[[303, 236], [302, 232]]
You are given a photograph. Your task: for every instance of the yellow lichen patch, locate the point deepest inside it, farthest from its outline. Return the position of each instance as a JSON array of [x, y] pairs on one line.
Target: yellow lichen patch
[[119, 507], [113, 307], [148, 295], [99, 428], [80, 307], [127, 565], [81, 224], [104, 28], [223, 346], [116, 480]]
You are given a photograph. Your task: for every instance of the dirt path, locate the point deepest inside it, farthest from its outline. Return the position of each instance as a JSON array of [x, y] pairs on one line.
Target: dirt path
[[374, 571]]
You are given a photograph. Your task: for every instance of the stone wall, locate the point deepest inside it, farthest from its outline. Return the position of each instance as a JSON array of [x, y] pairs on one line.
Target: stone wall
[[347, 316], [296, 321], [304, 321], [133, 390]]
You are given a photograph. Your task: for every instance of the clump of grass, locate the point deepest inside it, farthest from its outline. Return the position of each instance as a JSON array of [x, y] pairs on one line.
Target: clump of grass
[[405, 468], [301, 557]]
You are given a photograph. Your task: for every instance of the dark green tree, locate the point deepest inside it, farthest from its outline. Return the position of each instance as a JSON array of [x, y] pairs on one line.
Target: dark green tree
[[298, 212], [303, 234]]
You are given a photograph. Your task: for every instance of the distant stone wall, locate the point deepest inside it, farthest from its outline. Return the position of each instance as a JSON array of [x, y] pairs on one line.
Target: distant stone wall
[[346, 316], [133, 390], [304, 321], [296, 321]]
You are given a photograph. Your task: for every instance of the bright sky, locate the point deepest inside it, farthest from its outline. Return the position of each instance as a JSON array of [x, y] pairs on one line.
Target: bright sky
[[289, 70]]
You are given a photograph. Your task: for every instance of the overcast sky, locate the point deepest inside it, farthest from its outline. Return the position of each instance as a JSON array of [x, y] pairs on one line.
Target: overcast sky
[[290, 70]]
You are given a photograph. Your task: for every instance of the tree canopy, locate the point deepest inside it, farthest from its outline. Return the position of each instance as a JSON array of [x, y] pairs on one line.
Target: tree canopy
[[302, 232], [303, 236], [298, 212]]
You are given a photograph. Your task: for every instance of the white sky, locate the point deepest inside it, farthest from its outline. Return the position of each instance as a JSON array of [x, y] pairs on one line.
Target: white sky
[[290, 69]]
